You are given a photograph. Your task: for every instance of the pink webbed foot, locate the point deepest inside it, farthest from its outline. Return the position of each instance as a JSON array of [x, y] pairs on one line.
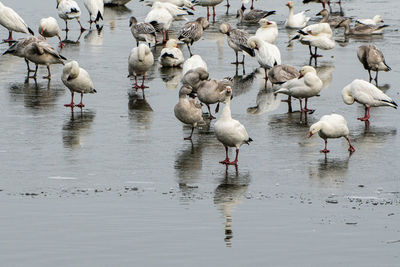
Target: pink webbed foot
[[187, 138], [363, 118], [324, 151], [61, 45], [226, 161], [71, 105], [233, 162], [80, 105], [351, 149]]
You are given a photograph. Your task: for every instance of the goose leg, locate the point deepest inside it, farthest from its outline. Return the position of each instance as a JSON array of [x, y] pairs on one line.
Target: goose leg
[[189, 137], [306, 109], [82, 29], [188, 46], [143, 86], [243, 7], [27, 65], [81, 105], [35, 72], [252, 5], [209, 112], [370, 76], [9, 37], [351, 148], [236, 158], [66, 26], [226, 160], [72, 101], [366, 115], [311, 53], [49, 73], [315, 53], [325, 150], [237, 60], [208, 12], [61, 43], [376, 78], [214, 14], [227, 6], [136, 84]]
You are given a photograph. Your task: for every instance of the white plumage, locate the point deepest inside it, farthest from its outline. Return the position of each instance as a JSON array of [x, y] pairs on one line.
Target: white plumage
[[95, 9], [139, 62], [268, 31], [12, 21], [67, 10], [171, 55], [48, 28], [295, 21], [160, 18], [194, 62], [372, 22]]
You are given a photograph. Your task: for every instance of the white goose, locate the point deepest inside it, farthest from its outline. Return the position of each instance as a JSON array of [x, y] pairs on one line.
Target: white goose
[[366, 94], [194, 62], [268, 31], [372, 22], [12, 21], [171, 55], [317, 36], [267, 55], [295, 21], [230, 132], [77, 80], [67, 10], [139, 62], [307, 85], [177, 12], [187, 110], [331, 126], [48, 28], [179, 3], [161, 19], [96, 11]]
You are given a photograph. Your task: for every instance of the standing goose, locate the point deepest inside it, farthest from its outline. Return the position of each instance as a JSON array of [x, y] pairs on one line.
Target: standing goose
[[177, 13], [366, 94], [208, 4], [237, 40], [48, 28], [193, 62], [307, 85], [372, 22], [193, 31], [194, 77], [142, 31], [187, 110], [13, 22], [331, 126], [253, 16], [327, 18], [361, 29], [171, 55], [267, 54], [372, 59], [96, 11], [69, 9], [268, 31], [139, 62], [42, 53], [77, 80], [161, 20], [230, 132], [295, 21], [212, 92]]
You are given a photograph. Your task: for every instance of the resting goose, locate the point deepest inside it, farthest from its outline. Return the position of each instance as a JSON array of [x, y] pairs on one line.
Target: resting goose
[[331, 126], [139, 62], [96, 11], [372, 59], [171, 55], [48, 28], [268, 31], [253, 16], [13, 22], [230, 132], [361, 29], [142, 31], [194, 77], [69, 9], [193, 62], [237, 40], [187, 110], [211, 92], [372, 22], [366, 94], [267, 54], [161, 20], [78, 81], [192, 31], [327, 18], [295, 21], [307, 85]]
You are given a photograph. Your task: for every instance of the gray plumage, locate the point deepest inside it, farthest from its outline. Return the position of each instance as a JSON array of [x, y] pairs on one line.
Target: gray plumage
[[142, 31], [253, 16], [192, 31], [194, 77], [372, 59]]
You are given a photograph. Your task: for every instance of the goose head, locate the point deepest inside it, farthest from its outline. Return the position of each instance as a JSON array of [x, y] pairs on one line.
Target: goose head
[[254, 42], [289, 4], [203, 22], [344, 23], [185, 90], [188, 4], [71, 70], [264, 23], [171, 43], [315, 128], [227, 93], [239, 13], [132, 21], [347, 96], [324, 12], [377, 18], [225, 28], [306, 69]]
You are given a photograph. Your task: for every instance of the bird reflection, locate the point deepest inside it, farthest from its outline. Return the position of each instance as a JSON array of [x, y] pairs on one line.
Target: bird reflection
[[229, 194], [140, 110], [266, 101], [324, 72], [35, 95], [243, 83], [171, 76], [76, 128], [72, 42], [329, 172], [95, 37]]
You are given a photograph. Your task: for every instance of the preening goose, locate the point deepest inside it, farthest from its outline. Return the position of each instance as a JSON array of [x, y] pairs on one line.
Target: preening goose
[[69, 9], [139, 62], [12, 22], [366, 94], [96, 11], [142, 31], [361, 29], [194, 77], [253, 16], [78, 81], [161, 20], [295, 21], [194, 62], [372, 59], [372, 22], [48, 28], [268, 31], [171, 55], [193, 31], [331, 126], [230, 132]]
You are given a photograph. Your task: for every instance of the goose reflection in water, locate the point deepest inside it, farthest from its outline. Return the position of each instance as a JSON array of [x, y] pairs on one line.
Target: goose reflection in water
[[329, 172], [243, 83], [113, 13], [171, 76], [77, 127], [67, 41], [229, 194], [140, 110]]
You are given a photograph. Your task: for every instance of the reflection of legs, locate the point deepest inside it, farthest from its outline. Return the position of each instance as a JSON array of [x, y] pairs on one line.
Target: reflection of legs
[[325, 150], [189, 137], [226, 160], [351, 148], [366, 115], [289, 101]]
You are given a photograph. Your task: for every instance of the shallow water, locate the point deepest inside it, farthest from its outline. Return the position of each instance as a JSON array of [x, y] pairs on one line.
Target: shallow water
[[116, 183]]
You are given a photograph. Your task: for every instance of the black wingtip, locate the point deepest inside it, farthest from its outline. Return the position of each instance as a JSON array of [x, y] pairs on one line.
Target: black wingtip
[[30, 31], [302, 32], [99, 16], [94, 90], [61, 56]]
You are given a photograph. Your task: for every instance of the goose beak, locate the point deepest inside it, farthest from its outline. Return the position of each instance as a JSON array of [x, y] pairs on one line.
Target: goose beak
[[192, 8], [301, 76], [309, 134]]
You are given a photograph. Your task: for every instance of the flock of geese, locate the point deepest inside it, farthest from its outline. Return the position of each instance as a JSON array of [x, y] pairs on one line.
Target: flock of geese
[[282, 78]]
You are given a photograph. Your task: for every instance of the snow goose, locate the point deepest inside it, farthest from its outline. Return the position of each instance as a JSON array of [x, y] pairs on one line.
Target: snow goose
[[372, 22], [267, 54], [194, 77], [361, 29], [268, 31], [307, 85], [295, 21], [327, 18], [230, 132], [193, 62], [116, 2], [12, 21], [78, 81], [372, 59], [142, 31], [366, 94], [208, 4], [96, 11], [192, 31], [253, 16], [187, 110], [42, 53], [178, 3], [237, 40], [161, 20], [48, 28], [171, 55], [139, 62], [176, 12], [69, 9], [331, 126], [18, 48]]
